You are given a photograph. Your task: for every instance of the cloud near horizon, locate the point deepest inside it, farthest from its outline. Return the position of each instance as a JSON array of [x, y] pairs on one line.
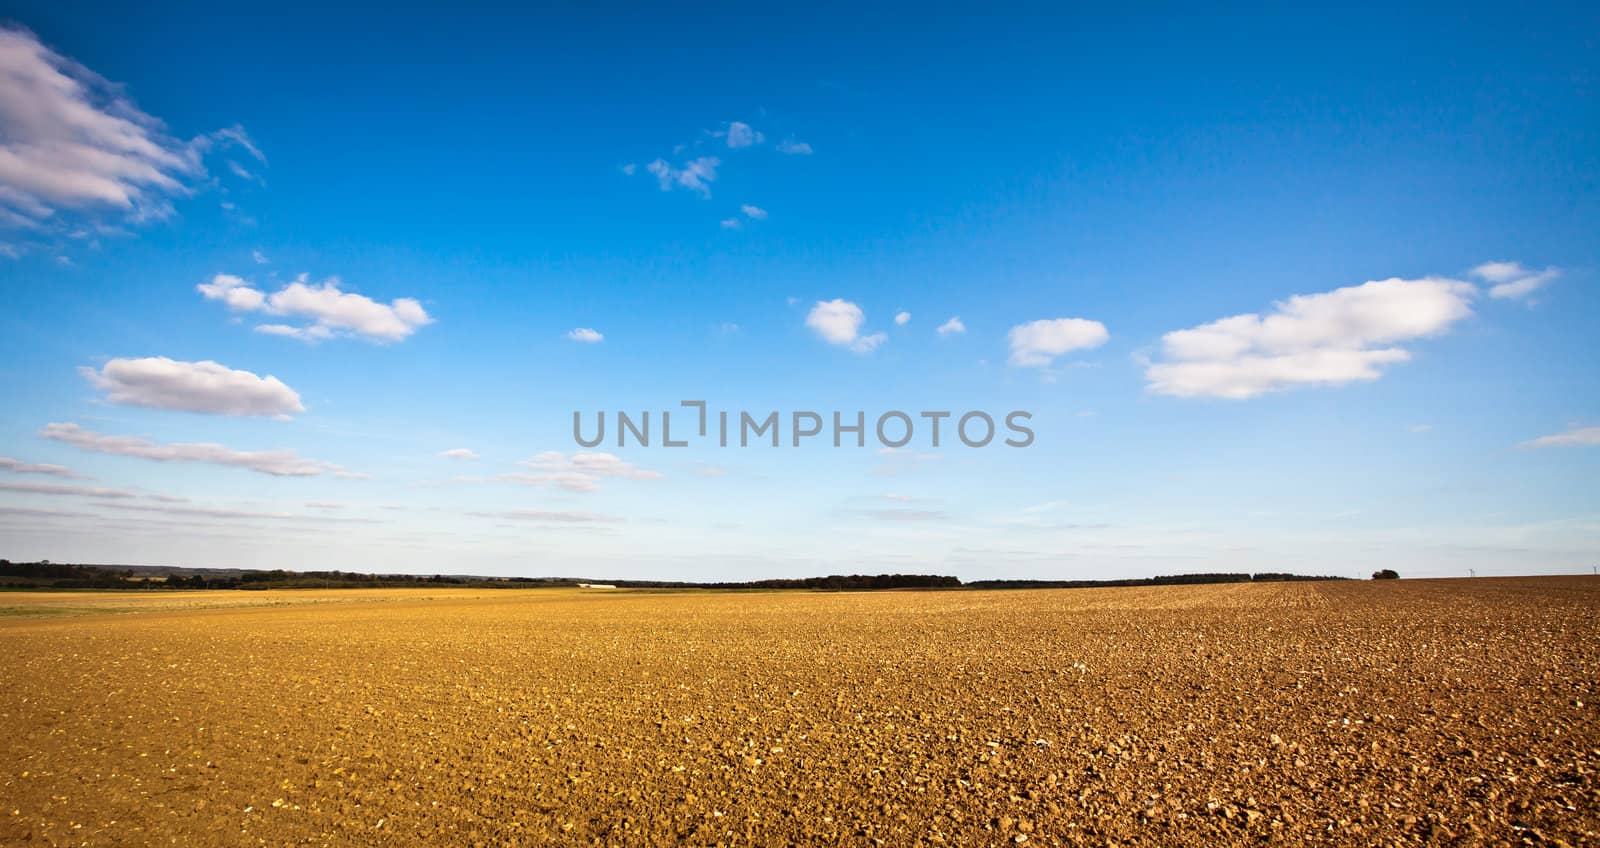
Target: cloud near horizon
[[17, 466], [278, 463], [577, 472], [1327, 339]]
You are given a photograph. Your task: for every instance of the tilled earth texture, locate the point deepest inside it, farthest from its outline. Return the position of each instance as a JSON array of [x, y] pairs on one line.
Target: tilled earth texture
[[1360, 713]]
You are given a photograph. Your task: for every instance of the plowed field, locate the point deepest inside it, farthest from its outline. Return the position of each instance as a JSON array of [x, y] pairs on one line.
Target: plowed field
[[1360, 713]]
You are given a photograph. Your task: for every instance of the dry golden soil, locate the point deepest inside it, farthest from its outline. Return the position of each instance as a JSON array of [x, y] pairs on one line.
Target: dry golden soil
[[1359, 713]]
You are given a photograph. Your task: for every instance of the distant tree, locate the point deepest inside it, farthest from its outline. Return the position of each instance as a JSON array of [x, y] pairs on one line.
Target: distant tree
[[1386, 574]]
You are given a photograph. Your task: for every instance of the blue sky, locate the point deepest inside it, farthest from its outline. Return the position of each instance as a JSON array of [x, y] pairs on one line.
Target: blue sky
[[1282, 291]]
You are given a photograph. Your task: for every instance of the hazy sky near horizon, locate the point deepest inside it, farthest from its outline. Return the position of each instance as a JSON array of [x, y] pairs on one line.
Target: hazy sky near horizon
[[1283, 290]]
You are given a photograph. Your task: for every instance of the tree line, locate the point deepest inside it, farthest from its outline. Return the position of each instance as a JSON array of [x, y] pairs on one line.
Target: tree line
[[51, 575]]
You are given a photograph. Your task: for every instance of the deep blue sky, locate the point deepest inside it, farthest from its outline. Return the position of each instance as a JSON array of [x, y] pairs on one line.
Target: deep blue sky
[[1152, 171]]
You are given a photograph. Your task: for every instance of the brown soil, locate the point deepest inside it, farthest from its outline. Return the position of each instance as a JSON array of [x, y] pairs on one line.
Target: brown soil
[[1401, 712]]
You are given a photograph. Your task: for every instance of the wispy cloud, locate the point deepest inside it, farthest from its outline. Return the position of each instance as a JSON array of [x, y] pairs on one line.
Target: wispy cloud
[[278, 463], [230, 513], [794, 148], [463, 454], [76, 146], [1327, 339], [577, 472], [244, 173], [952, 327], [1576, 437], [696, 175], [17, 466], [1511, 281], [74, 141], [740, 134], [587, 335], [68, 491], [903, 514], [550, 516], [206, 387]]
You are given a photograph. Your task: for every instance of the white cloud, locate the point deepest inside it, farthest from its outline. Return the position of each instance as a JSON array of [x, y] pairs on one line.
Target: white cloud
[[17, 466], [1325, 339], [329, 307], [794, 148], [630, 169], [586, 335], [741, 134], [459, 453], [839, 322], [578, 472], [279, 463], [161, 383], [1576, 437], [259, 257], [233, 291], [732, 224], [305, 334], [1038, 343], [1511, 281], [329, 310], [954, 325], [753, 212], [1499, 272], [902, 318], [836, 321], [696, 175]]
